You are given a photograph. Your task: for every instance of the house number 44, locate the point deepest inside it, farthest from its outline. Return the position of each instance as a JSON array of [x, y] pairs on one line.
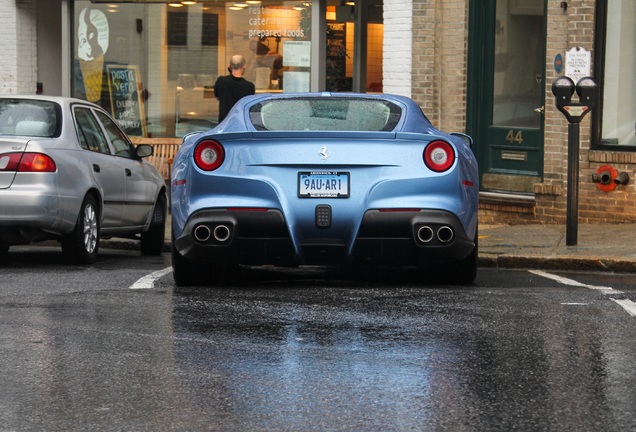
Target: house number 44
[[513, 137]]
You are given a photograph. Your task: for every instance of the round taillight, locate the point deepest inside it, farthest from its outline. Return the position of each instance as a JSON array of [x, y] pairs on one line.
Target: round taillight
[[439, 156], [209, 155]]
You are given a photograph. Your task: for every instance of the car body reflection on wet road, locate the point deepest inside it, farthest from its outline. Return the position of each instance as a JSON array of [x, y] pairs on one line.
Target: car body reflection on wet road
[[310, 350]]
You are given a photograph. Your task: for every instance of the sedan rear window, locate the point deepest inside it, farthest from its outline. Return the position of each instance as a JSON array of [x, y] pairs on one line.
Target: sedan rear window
[[27, 117], [325, 114]]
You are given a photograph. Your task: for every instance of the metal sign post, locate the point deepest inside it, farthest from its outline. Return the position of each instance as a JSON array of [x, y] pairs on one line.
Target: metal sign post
[[563, 88]]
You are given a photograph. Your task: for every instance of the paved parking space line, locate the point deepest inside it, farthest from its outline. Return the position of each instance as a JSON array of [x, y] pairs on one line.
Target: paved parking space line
[[148, 281], [571, 282], [628, 305]]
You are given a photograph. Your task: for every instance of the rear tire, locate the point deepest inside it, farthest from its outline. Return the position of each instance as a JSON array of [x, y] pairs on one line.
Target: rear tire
[[187, 272], [82, 244], [152, 240], [465, 271], [184, 271]]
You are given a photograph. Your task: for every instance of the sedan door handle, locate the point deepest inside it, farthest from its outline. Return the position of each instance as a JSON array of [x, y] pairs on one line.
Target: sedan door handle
[[128, 172], [95, 167]]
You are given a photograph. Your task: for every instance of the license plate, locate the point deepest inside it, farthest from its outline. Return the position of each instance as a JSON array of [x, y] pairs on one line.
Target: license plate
[[323, 184]]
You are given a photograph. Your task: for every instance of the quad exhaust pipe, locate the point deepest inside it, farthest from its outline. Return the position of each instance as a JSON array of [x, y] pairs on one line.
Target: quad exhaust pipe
[[425, 234], [221, 233], [444, 234], [202, 233]]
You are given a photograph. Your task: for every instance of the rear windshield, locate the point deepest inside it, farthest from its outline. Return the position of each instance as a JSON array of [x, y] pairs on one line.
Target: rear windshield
[[325, 114], [27, 117]]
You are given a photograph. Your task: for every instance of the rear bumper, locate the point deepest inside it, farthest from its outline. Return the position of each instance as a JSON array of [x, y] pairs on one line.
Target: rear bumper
[[26, 217], [411, 238], [244, 237], [26, 208], [262, 237]]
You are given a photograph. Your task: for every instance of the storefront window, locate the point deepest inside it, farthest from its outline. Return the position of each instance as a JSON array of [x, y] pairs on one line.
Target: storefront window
[[618, 59], [153, 66]]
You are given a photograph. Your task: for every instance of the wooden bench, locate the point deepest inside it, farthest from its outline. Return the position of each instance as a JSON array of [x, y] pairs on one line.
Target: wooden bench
[[164, 151]]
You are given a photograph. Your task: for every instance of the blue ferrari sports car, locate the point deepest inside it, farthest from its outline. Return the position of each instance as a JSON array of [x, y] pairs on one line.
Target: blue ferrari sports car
[[324, 179]]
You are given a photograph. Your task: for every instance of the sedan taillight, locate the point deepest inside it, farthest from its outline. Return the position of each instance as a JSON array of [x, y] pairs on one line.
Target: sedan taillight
[[209, 155], [27, 162], [439, 156]]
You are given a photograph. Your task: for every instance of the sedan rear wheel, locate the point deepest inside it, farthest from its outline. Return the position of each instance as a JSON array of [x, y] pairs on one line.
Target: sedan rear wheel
[[82, 244]]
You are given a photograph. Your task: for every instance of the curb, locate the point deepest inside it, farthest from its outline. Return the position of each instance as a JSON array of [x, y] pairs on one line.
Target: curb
[[558, 263]]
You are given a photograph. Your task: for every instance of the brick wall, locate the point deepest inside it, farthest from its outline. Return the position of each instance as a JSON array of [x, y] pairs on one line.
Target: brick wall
[[573, 28], [18, 42], [8, 41], [438, 85], [440, 44], [397, 47]]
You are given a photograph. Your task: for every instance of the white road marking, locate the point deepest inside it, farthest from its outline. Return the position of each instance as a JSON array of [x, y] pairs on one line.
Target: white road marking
[[566, 281], [628, 305], [148, 281]]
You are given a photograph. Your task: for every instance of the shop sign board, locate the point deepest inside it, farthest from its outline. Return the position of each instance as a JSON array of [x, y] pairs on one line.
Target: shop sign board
[[126, 102], [297, 53]]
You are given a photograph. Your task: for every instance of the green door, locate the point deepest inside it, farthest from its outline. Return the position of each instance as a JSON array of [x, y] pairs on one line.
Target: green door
[[506, 92]]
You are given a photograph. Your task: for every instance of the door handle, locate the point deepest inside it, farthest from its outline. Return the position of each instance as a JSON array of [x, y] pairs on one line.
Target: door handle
[[540, 110], [95, 167], [128, 172]]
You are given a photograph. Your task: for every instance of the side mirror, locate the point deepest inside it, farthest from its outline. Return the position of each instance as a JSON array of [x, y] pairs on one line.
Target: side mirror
[[144, 150]]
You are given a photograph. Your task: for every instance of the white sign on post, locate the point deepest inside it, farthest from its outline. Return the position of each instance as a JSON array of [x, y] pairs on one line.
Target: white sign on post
[[578, 63]]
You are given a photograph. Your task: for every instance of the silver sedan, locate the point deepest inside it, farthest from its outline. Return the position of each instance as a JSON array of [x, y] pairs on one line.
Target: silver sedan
[[68, 172]]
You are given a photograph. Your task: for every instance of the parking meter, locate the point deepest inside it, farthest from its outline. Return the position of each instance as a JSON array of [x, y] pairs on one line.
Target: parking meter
[[587, 90], [563, 89]]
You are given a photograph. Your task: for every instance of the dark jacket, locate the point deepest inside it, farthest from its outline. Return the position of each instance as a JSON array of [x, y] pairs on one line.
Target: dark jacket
[[229, 89]]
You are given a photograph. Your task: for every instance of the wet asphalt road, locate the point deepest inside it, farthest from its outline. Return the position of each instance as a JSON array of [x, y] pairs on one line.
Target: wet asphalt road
[[310, 350]]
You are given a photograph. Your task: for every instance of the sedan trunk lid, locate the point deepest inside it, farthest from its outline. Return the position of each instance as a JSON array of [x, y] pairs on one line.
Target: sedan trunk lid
[[7, 147]]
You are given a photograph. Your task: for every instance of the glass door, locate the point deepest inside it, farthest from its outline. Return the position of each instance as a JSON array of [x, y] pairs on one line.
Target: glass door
[[509, 66]]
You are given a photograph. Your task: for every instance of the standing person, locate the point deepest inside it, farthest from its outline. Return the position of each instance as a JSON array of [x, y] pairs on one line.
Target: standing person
[[230, 88]]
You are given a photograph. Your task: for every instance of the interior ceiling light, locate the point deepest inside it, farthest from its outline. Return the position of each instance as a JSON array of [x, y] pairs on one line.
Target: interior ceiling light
[[298, 8], [175, 5], [350, 3], [253, 2], [235, 8], [241, 5], [188, 2]]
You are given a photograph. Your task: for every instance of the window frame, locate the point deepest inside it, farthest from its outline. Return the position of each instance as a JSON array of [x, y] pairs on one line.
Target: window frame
[[600, 38], [394, 115], [94, 127]]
